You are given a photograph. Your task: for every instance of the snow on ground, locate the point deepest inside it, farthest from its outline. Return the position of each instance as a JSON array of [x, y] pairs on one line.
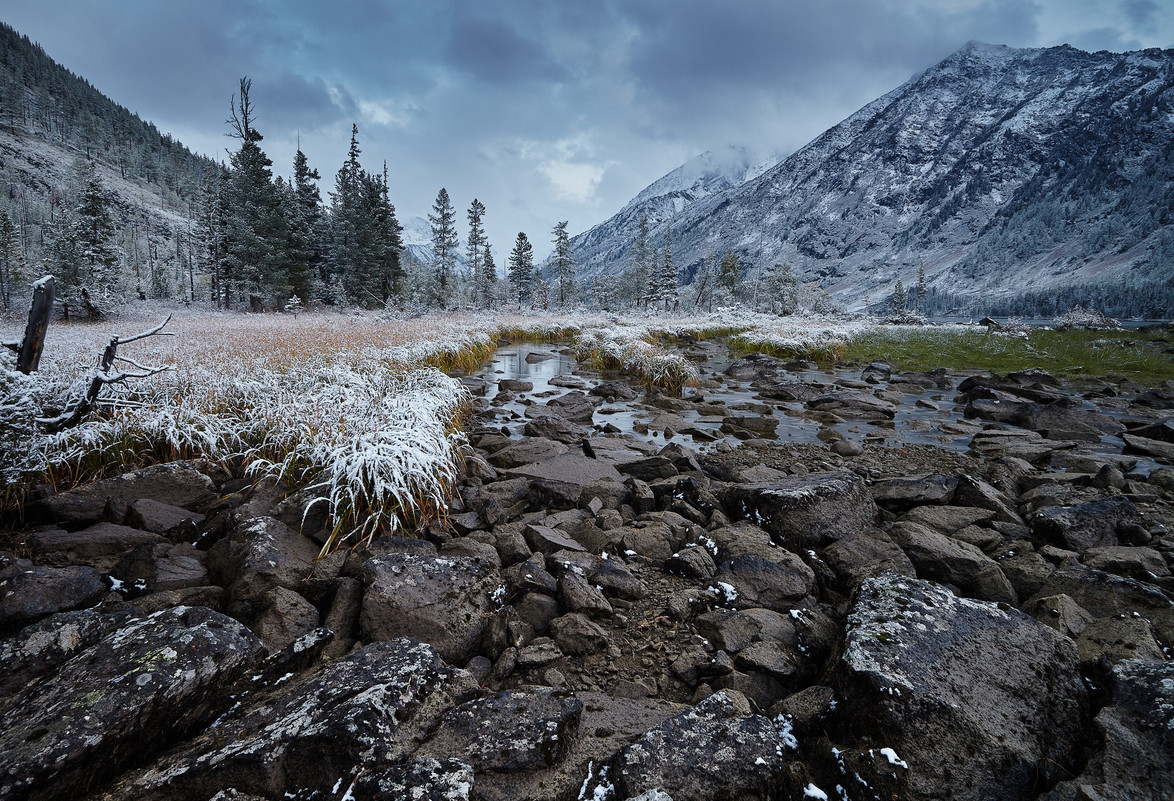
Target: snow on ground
[[352, 405]]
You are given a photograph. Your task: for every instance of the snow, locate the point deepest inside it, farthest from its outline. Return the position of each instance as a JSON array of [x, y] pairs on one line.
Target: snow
[[811, 791], [891, 755]]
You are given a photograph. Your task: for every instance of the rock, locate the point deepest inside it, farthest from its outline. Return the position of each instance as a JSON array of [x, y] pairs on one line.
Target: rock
[[617, 581], [779, 584], [1136, 730], [515, 385], [901, 494], [444, 602], [131, 695], [947, 519], [1061, 613], [847, 448], [30, 592], [870, 553], [343, 616], [985, 701], [570, 468], [728, 630], [1149, 447], [557, 429], [1084, 525], [260, 555], [39, 648], [575, 406], [974, 492], [715, 750], [1143, 564], [526, 451], [540, 652], [1115, 638], [618, 390], [419, 780], [650, 469], [876, 372], [853, 405], [576, 635], [508, 732], [287, 617], [161, 518], [692, 562], [100, 546], [546, 540], [174, 483], [754, 425], [362, 715], [575, 594], [804, 511], [940, 558]]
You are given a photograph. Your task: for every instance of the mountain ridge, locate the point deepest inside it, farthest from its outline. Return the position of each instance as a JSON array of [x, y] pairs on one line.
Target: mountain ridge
[[1002, 170]]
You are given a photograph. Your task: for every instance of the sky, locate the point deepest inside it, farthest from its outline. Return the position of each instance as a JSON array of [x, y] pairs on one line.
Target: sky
[[544, 111]]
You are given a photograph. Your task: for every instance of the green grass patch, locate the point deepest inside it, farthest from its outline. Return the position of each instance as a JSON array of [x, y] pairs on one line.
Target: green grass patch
[[1073, 354]]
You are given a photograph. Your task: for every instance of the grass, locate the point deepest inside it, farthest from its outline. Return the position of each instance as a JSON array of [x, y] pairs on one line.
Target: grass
[[1071, 354]]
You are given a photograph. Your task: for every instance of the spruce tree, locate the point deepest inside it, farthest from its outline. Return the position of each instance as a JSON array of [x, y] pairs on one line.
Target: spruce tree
[[488, 279], [564, 265], [922, 287], [728, 273], [521, 268], [639, 264], [12, 273], [308, 250], [475, 247], [444, 246], [900, 300], [668, 282], [346, 220]]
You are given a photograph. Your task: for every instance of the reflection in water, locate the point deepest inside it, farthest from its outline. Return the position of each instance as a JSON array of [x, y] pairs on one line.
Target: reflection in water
[[944, 426]]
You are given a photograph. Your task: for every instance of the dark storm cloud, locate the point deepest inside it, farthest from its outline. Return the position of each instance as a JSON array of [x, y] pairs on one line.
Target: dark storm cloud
[[543, 110], [493, 51]]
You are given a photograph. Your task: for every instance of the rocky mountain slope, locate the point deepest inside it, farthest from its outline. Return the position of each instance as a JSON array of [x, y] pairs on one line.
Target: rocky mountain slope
[[1004, 171]]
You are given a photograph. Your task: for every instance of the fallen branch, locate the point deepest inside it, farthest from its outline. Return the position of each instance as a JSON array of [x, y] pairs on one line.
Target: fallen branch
[[105, 373]]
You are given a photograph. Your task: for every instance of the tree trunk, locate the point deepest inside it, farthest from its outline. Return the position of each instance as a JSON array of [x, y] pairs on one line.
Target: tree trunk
[[29, 354]]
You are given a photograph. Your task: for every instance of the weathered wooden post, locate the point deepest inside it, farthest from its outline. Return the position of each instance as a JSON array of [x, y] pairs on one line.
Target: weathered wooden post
[[28, 350]]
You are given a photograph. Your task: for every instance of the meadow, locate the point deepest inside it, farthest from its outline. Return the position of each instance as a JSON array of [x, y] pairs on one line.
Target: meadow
[[361, 410]]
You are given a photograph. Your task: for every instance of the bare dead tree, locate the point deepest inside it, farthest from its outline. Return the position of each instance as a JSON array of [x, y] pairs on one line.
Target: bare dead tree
[[106, 372], [28, 350]]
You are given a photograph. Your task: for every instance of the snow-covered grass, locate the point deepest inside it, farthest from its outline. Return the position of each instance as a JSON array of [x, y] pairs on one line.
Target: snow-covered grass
[[626, 348]]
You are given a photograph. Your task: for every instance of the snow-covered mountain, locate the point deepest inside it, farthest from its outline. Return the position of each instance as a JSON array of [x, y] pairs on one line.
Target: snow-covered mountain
[[604, 247], [1002, 170]]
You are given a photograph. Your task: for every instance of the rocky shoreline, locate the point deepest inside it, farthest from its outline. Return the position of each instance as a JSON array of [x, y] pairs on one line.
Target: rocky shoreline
[[609, 616]]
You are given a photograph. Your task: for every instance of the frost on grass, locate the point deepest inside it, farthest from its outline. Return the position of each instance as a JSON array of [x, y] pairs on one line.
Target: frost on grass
[[626, 348]]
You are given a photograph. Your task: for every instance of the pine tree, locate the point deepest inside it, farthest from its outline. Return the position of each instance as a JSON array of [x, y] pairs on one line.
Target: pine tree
[[668, 282], [564, 265], [788, 289], [728, 273], [12, 272], [521, 268], [346, 221], [488, 285], [640, 263], [475, 247], [900, 300], [444, 246], [257, 233], [922, 287], [93, 237], [308, 249]]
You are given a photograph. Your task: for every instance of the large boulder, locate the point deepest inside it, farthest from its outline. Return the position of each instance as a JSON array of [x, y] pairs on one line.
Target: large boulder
[[802, 512], [40, 648], [175, 483], [981, 702], [258, 556], [30, 592], [1136, 760], [716, 751], [1084, 525], [780, 584], [361, 716], [132, 694], [508, 732], [100, 546], [443, 601]]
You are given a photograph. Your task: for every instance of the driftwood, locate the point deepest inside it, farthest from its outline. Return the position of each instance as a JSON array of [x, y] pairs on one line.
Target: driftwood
[[106, 373], [28, 350]]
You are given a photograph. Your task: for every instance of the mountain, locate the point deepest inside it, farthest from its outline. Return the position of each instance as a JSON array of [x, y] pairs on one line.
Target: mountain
[[605, 246], [417, 240], [1008, 173]]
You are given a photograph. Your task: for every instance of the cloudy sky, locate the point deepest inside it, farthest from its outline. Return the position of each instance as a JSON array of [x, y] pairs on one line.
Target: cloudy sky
[[544, 111]]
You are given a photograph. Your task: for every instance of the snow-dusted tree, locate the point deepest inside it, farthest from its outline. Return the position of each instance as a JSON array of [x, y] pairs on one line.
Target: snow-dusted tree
[[94, 235], [540, 291], [728, 272], [785, 289], [521, 268], [922, 287], [256, 231], [564, 265], [639, 264], [308, 231], [211, 228], [12, 269], [487, 289], [475, 251], [900, 299], [703, 284], [444, 246], [667, 282]]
